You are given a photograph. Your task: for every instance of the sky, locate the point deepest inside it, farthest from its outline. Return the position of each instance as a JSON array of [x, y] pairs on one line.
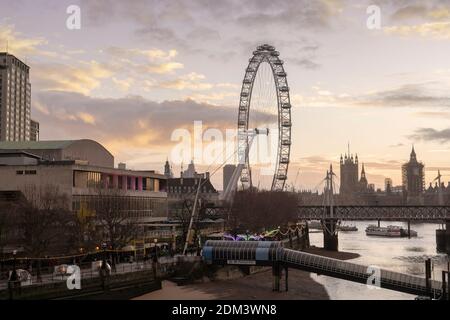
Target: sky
[[137, 71]]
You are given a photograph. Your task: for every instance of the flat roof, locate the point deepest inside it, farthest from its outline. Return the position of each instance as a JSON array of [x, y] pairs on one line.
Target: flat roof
[[43, 145], [18, 152]]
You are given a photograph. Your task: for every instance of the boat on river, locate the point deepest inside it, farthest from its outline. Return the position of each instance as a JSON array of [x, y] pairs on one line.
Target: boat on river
[[389, 231]]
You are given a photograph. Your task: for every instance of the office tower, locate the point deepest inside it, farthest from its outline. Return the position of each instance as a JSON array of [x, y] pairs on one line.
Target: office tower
[[15, 99]]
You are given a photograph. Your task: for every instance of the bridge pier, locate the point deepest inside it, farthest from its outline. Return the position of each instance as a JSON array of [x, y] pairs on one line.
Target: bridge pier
[[330, 235], [443, 238]]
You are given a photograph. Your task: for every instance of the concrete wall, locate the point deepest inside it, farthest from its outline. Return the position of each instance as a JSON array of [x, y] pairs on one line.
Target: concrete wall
[[60, 176]]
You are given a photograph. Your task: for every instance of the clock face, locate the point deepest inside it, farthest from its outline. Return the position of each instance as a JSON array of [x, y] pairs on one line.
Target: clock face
[[416, 171]]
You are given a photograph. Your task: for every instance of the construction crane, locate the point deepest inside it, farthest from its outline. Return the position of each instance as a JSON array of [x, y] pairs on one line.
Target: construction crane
[[232, 185], [440, 195], [295, 181]]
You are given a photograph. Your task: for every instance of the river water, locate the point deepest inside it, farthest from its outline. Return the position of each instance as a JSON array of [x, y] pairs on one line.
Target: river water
[[395, 254]]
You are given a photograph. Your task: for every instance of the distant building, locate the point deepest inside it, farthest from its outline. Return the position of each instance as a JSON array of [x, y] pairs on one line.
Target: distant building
[[349, 175], [168, 170], [228, 171], [413, 176], [388, 185], [186, 188], [34, 130], [363, 184], [15, 99]]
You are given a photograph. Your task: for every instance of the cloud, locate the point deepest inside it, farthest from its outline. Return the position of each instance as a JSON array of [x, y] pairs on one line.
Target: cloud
[[164, 68], [289, 14], [127, 125], [149, 60], [431, 134], [17, 43], [398, 145], [431, 10], [81, 78], [409, 12], [191, 81], [123, 84], [214, 28], [150, 54], [423, 19], [430, 94], [410, 95], [86, 118], [305, 63], [435, 30]]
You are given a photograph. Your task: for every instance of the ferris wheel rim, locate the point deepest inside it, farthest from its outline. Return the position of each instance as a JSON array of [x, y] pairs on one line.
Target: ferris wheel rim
[[267, 53]]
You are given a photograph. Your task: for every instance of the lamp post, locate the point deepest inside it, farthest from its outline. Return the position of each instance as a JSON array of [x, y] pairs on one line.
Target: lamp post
[[104, 272], [104, 246], [155, 259], [155, 241], [13, 279], [14, 276]]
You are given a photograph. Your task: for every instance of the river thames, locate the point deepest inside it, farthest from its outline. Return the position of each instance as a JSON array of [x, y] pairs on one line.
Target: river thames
[[395, 254]]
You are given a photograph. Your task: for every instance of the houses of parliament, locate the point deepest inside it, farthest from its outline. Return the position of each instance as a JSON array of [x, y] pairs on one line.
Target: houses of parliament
[[354, 187]]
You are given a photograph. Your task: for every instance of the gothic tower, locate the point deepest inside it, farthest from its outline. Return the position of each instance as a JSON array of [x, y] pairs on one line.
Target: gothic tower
[[349, 174]]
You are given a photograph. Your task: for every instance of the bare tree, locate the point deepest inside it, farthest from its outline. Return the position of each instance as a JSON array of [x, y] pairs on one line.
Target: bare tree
[[6, 230], [253, 210], [42, 219], [113, 216]]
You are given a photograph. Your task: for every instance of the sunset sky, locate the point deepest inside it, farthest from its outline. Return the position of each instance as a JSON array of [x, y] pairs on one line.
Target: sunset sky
[[138, 70]]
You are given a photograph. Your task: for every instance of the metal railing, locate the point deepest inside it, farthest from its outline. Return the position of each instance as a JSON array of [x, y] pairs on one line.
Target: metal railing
[[48, 276]]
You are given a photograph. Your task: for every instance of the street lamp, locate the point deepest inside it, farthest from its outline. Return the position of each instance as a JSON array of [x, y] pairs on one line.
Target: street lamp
[[155, 241], [104, 246]]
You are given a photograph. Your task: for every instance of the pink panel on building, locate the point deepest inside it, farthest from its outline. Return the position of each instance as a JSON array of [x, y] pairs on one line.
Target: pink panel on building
[[139, 183]]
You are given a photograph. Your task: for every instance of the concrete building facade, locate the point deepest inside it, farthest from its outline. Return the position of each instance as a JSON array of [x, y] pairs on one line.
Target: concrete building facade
[[83, 170]]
